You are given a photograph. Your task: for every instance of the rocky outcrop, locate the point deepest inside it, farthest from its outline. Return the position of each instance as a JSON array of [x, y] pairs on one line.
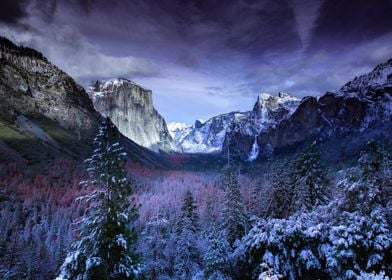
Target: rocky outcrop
[[130, 108], [361, 104], [31, 85]]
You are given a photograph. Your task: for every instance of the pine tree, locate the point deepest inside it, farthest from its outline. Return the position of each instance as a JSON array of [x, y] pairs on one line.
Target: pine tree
[[216, 260], [211, 217], [187, 253], [373, 185], [234, 216], [155, 237], [280, 199], [310, 180], [255, 199], [104, 246]]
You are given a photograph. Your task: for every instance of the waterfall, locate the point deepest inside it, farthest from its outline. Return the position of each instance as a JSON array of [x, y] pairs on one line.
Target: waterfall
[[255, 151]]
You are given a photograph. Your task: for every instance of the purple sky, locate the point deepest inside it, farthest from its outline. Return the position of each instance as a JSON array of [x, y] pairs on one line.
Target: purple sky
[[203, 58]]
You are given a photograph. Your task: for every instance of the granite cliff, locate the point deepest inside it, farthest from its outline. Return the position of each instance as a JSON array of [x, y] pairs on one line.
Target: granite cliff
[[130, 108]]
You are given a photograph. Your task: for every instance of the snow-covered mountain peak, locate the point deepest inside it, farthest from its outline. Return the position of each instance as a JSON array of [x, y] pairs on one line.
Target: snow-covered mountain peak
[[179, 131], [176, 125], [115, 82], [281, 97], [271, 101], [381, 75], [263, 96], [104, 87], [269, 108]]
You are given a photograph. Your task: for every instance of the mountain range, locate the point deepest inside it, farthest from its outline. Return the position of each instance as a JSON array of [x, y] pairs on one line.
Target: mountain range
[[45, 113], [206, 137], [361, 107]]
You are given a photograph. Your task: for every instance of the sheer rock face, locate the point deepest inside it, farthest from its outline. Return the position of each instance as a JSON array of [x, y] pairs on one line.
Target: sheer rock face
[[30, 84], [363, 103], [130, 108]]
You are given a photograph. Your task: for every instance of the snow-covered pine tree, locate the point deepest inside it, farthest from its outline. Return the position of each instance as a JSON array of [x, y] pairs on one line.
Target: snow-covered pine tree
[[103, 249], [210, 215], [279, 203], [255, 199], [155, 241], [234, 217], [216, 260], [373, 184], [310, 180], [187, 262]]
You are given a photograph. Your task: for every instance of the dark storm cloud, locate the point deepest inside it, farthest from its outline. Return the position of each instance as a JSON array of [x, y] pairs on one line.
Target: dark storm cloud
[[351, 22], [47, 9], [239, 25], [12, 10], [86, 5], [211, 26]]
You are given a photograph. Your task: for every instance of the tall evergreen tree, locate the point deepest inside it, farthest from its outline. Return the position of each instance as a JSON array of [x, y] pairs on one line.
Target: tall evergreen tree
[[105, 243], [234, 216], [310, 180], [255, 199], [155, 239], [216, 260], [373, 184], [187, 254], [279, 204], [211, 217]]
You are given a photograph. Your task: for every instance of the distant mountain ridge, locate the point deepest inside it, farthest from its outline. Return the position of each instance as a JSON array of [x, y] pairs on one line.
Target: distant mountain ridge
[[281, 122], [209, 136], [361, 105]]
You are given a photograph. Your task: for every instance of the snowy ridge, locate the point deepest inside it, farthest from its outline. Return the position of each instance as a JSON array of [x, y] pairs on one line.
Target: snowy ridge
[[381, 75], [209, 136], [369, 87], [179, 131]]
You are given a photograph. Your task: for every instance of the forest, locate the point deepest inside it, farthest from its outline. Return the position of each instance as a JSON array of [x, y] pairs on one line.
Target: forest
[[109, 218]]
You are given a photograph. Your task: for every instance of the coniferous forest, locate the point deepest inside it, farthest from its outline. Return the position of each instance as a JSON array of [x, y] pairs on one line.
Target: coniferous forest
[[107, 219]]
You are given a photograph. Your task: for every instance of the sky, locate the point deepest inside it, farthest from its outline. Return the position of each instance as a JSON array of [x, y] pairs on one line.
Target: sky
[[202, 58]]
